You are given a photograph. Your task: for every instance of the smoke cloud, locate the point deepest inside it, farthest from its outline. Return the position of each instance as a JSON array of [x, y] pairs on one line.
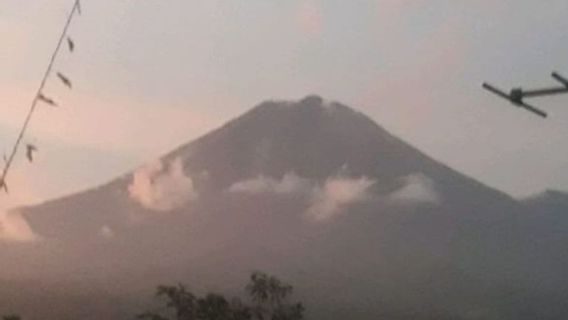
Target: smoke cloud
[[337, 193], [289, 184], [162, 188], [418, 188], [106, 232], [326, 201], [15, 228]]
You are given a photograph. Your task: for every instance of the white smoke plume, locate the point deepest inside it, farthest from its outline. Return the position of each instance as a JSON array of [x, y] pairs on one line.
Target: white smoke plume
[[326, 201], [15, 228], [106, 232], [336, 194], [418, 188], [289, 184], [162, 188]]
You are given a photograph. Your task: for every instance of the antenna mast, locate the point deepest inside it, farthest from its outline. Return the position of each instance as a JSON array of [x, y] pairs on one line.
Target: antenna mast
[[517, 95]]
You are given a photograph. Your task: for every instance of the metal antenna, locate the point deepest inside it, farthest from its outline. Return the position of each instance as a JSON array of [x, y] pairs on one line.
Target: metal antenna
[[517, 95]]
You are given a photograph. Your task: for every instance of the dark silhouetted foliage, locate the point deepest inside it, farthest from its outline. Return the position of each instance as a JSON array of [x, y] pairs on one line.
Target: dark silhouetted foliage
[[267, 293], [269, 296]]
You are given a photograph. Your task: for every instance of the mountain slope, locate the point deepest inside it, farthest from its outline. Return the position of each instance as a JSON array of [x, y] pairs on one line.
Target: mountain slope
[[362, 223]]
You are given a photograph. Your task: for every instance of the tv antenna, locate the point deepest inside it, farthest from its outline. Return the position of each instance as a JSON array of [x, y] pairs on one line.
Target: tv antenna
[[517, 95]]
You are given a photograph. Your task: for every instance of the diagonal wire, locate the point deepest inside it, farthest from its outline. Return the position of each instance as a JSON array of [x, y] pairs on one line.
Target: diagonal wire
[[76, 9]]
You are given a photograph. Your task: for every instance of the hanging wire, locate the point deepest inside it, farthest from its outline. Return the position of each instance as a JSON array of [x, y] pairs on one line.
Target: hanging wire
[[39, 96]]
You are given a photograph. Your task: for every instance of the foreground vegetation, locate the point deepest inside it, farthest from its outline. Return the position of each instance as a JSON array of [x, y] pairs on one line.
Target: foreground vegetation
[[268, 298]]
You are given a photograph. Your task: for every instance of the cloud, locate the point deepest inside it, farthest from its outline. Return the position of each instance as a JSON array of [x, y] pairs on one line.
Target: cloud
[[325, 201], [337, 193], [309, 18], [15, 228], [418, 188], [289, 184], [162, 188], [106, 232]]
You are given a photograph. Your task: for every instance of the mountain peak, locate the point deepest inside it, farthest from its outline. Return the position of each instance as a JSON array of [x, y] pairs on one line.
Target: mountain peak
[[310, 136], [311, 104], [316, 139], [312, 100]]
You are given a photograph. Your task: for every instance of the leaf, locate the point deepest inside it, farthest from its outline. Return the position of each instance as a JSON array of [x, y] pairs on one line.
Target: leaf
[[4, 185]]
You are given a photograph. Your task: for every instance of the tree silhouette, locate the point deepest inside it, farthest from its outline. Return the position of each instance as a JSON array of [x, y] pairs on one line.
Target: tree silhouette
[[216, 307], [179, 301], [268, 295]]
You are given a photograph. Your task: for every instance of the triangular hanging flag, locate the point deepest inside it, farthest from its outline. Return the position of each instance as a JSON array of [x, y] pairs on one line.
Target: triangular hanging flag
[[46, 100], [70, 44], [30, 149], [65, 80], [4, 185]]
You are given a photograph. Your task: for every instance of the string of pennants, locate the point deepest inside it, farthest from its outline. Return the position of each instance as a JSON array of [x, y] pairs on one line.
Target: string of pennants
[[42, 98]]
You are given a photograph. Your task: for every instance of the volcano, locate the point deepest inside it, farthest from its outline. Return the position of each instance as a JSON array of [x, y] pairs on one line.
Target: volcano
[[363, 225]]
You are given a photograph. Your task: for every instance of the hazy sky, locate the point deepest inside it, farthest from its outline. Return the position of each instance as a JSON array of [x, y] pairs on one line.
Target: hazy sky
[[150, 75]]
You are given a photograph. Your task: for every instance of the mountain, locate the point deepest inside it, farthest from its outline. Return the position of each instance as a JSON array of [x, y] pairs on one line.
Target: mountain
[[551, 202], [364, 225], [547, 223]]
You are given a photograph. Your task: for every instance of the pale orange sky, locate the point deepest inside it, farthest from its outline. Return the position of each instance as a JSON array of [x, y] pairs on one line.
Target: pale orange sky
[[150, 75]]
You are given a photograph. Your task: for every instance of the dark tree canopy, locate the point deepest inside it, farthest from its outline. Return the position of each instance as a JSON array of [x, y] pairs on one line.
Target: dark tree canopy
[[268, 296]]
